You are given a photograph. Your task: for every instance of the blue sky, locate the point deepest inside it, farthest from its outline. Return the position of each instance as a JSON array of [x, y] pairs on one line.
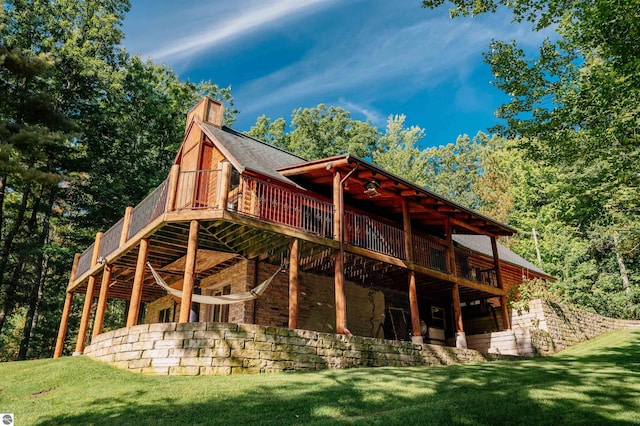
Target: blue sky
[[372, 57]]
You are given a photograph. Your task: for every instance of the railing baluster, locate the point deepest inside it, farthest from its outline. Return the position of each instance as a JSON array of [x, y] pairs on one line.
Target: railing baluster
[[149, 209], [111, 239]]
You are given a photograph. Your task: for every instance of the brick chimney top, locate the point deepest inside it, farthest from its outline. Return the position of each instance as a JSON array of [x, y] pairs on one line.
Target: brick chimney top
[[207, 110]]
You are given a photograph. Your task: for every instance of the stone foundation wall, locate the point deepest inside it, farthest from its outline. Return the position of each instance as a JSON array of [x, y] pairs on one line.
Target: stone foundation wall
[[225, 348], [564, 326], [508, 342], [546, 328]]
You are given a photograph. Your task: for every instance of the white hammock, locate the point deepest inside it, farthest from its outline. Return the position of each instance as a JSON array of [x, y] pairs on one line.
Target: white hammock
[[227, 299]]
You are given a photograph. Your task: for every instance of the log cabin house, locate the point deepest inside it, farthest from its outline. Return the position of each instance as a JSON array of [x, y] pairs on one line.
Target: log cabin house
[[363, 251]]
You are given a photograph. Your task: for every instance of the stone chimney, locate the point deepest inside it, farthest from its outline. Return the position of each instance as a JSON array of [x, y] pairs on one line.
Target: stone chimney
[[207, 110]]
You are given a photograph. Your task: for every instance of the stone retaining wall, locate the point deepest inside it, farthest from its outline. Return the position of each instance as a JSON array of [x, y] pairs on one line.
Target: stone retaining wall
[[546, 328], [508, 342], [225, 348]]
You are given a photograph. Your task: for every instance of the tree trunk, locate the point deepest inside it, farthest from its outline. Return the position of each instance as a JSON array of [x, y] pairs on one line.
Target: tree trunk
[[12, 285], [32, 314], [9, 298], [8, 242], [626, 285], [3, 186], [38, 285]]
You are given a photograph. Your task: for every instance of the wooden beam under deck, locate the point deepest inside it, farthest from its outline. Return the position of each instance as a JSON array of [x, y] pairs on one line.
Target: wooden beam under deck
[[168, 236]]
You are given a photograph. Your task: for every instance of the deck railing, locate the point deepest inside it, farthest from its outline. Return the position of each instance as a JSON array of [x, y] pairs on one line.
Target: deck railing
[[143, 214], [84, 263], [277, 204], [430, 253], [198, 189], [150, 208], [363, 231], [111, 239], [469, 271]]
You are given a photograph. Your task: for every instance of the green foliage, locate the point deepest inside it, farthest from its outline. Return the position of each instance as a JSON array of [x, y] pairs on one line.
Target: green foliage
[[86, 129], [454, 169], [398, 151], [574, 113], [318, 132], [520, 296], [271, 132]]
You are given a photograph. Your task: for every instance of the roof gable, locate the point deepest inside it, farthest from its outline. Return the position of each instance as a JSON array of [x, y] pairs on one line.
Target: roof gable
[[247, 153]]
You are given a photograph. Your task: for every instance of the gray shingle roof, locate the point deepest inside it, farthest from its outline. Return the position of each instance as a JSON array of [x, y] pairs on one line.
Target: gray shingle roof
[[253, 154], [482, 244]]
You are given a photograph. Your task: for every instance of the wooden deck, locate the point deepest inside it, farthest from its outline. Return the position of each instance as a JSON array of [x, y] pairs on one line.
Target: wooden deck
[[257, 218]]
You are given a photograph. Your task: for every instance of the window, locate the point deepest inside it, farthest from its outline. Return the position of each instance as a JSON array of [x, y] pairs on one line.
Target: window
[[165, 315], [437, 316], [217, 313]]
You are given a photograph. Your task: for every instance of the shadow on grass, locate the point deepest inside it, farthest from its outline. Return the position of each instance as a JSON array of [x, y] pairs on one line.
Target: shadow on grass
[[595, 389]]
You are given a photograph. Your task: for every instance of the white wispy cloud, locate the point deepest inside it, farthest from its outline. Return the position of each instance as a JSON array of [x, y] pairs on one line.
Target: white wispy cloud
[[383, 57], [372, 57], [376, 117], [220, 29]]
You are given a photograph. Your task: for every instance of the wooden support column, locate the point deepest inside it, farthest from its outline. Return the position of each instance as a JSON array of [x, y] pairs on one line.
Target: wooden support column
[[66, 311], [341, 311], [461, 339], [496, 261], [451, 252], [225, 180], [88, 299], [64, 321], [337, 206], [294, 260], [413, 294], [506, 323], [172, 194], [126, 223], [189, 272], [102, 300], [138, 280], [506, 320]]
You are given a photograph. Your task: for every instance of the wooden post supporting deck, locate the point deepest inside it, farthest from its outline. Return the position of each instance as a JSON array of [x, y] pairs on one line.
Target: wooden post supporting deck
[[225, 179], [102, 300], [413, 295], [124, 236], [88, 299], [461, 339], [294, 259], [138, 280], [172, 194], [189, 272], [341, 312], [506, 321], [496, 261], [66, 311], [503, 299]]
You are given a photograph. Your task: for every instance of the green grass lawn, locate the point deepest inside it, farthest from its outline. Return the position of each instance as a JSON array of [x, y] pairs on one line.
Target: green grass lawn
[[594, 383]]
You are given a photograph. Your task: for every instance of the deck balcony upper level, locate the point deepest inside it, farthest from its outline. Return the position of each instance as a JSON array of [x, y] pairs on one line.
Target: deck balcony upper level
[[383, 224]]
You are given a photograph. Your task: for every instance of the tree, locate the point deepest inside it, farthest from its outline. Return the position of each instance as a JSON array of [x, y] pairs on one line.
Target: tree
[[397, 151], [454, 169], [575, 107], [271, 132], [85, 130], [35, 156], [318, 133]]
